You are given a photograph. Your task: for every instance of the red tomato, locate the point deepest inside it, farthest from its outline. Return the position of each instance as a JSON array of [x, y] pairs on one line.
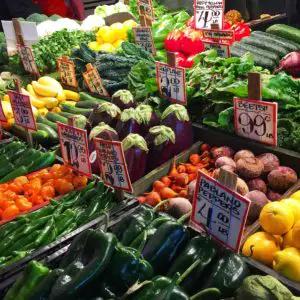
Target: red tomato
[[191, 42]]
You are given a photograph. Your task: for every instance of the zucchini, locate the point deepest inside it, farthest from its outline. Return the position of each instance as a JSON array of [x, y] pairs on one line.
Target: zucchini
[[259, 60], [87, 97], [43, 120], [75, 110], [257, 51], [53, 117], [88, 104], [14, 174], [39, 136], [66, 114], [46, 160], [285, 31], [266, 45], [50, 131], [292, 46]]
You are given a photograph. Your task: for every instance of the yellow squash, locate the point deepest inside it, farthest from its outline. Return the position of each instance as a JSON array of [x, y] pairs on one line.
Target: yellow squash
[[43, 112], [70, 95], [43, 90], [33, 100], [51, 82]]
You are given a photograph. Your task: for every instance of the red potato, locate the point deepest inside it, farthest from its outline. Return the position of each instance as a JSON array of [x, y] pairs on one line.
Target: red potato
[[273, 196], [282, 178], [257, 184], [243, 154], [225, 161], [249, 167]]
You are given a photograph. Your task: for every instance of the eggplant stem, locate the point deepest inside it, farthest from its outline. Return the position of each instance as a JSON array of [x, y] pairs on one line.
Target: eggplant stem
[[161, 203], [183, 218], [187, 272]]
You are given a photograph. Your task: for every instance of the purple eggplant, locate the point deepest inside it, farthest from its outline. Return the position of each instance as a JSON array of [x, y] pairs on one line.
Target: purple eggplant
[[123, 99], [129, 122], [176, 117], [136, 153], [148, 116], [102, 131], [106, 112], [161, 141]]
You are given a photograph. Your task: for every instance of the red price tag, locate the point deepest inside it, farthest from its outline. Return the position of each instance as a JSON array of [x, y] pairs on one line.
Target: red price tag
[[208, 12], [22, 110], [67, 72], [145, 8], [143, 38], [74, 148], [223, 50], [2, 115], [94, 81], [171, 82], [256, 120], [220, 211], [27, 58], [112, 164]]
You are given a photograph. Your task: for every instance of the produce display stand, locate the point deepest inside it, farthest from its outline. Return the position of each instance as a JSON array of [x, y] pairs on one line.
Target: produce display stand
[[9, 274]]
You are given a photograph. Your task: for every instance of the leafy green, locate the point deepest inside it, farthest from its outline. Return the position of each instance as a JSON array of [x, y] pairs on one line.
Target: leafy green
[[159, 9]]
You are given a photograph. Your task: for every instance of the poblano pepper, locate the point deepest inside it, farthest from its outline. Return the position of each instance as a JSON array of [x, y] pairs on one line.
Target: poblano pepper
[[88, 256], [25, 285], [228, 273], [200, 248]]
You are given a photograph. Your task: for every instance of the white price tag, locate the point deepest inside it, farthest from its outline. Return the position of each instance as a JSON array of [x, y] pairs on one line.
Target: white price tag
[[171, 82], [220, 211], [74, 148], [2, 115], [256, 120], [27, 58], [222, 49], [143, 38], [112, 164], [145, 8], [208, 12], [22, 110]]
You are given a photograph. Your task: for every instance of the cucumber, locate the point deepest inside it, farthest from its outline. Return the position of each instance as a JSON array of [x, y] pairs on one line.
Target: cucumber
[[39, 136], [257, 51], [14, 174], [53, 117], [75, 110], [46, 160], [259, 60], [88, 104], [85, 97], [285, 31], [43, 120], [66, 114], [292, 46], [266, 45], [30, 159], [50, 131]]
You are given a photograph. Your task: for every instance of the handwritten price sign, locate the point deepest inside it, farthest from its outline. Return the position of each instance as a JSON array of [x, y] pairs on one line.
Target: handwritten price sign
[[2, 115], [112, 164], [143, 38], [256, 120], [67, 72], [27, 58], [74, 148], [208, 12], [222, 49], [22, 110], [145, 8], [171, 82], [218, 34], [220, 211]]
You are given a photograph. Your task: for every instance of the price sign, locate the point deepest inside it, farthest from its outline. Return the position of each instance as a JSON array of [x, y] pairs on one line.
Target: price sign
[[27, 58], [143, 38], [94, 81], [74, 148], [218, 34], [67, 72], [112, 164], [2, 115], [220, 211], [145, 8], [22, 110], [171, 82], [256, 120], [223, 50], [208, 12]]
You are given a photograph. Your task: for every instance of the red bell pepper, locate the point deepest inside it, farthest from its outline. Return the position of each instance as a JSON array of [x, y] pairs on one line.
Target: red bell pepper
[[191, 23], [180, 59], [173, 40], [191, 42], [241, 30]]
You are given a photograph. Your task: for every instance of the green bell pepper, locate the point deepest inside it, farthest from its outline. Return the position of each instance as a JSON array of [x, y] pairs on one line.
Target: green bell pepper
[[25, 285], [198, 248], [228, 273], [89, 255]]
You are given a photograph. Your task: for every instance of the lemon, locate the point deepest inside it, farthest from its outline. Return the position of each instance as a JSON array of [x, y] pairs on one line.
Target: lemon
[[288, 239], [294, 205], [296, 235], [119, 31], [107, 47], [118, 43], [129, 24], [93, 45], [102, 31], [296, 195], [109, 36]]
